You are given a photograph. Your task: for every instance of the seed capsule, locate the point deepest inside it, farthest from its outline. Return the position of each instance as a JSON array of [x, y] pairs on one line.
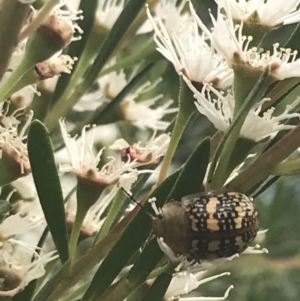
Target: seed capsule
[[208, 225]]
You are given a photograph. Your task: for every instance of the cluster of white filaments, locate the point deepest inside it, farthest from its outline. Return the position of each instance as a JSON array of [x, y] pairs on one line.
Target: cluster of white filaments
[[84, 161], [70, 16], [197, 62], [219, 109], [12, 138], [21, 267], [20, 261], [184, 282], [191, 55], [228, 40], [270, 13]]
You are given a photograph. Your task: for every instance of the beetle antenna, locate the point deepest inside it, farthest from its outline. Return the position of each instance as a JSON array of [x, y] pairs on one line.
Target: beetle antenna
[[129, 195]]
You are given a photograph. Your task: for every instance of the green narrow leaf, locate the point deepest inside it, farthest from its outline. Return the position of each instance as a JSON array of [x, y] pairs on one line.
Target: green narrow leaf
[[158, 288], [130, 241], [145, 263], [191, 177], [124, 287], [48, 186], [293, 40], [258, 189]]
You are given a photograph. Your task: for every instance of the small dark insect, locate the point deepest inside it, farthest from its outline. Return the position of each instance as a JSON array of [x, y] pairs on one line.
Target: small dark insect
[[208, 225]]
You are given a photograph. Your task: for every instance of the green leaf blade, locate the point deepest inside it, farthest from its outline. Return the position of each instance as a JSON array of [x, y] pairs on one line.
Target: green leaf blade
[[48, 186], [192, 175]]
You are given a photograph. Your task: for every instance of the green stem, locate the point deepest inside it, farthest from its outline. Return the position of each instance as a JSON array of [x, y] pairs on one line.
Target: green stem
[[8, 86], [82, 209], [186, 109], [79, 291], [13, 14], [42, 14], [218, 171], [286, 168], [167, 268], [111, 216]]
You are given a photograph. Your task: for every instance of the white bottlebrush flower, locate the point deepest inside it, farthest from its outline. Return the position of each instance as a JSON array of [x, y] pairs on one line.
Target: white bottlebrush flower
[[25, 188], [107, 11], [219, 110], [111, 84], [69, 16], [28, 206], [12, 147], [228, 40], [270, 13], [191, 55], [143, 116], [138, 113], [13, 225], [185, 282], [95, 216], [21, 267], [148, 154], [84, 161], [55, 65], [172, 14], [223, 37]]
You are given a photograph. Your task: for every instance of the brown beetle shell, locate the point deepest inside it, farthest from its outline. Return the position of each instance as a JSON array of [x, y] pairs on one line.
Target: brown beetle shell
[[208, 226]]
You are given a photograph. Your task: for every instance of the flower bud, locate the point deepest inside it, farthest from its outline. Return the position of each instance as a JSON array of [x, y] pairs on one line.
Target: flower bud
[[52, 36]]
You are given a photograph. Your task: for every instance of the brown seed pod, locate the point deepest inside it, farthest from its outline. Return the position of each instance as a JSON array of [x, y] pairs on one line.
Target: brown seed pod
[[208, 225]]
